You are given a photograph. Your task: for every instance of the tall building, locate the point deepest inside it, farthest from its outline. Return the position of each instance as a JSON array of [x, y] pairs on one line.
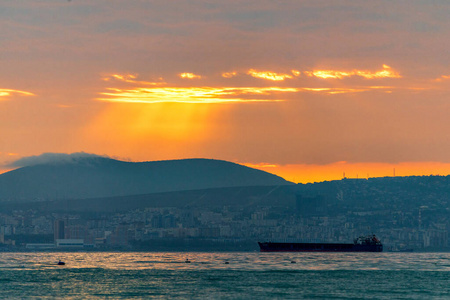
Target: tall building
[[58, 230]]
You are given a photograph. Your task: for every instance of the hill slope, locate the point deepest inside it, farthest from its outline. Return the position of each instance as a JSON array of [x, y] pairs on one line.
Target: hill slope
[[248, 197], [90, 177]]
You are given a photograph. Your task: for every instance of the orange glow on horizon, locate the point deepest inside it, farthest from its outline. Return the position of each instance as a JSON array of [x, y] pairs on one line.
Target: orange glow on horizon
[[297, 173], [7, 156], [309, 173], [2, 171]]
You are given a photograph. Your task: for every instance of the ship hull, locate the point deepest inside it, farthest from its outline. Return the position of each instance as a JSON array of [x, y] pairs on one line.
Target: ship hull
[[318, 247]]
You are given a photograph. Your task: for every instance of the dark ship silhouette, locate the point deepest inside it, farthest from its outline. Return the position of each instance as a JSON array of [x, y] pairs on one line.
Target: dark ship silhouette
[[361, 244]]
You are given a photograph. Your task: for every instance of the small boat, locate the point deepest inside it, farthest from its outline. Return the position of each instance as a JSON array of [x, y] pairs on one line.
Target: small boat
[[61, 263]]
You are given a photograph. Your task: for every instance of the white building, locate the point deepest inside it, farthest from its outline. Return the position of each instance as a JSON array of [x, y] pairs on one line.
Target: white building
[[69, 243]]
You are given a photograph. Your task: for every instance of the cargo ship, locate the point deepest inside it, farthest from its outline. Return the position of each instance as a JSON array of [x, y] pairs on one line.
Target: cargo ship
[[361, 244]]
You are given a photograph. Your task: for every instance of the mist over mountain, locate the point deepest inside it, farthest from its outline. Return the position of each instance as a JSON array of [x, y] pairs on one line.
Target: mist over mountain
[[87, 176]]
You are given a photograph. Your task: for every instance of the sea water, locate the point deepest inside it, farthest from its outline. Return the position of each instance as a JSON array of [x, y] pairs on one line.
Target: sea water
[[254, 275]]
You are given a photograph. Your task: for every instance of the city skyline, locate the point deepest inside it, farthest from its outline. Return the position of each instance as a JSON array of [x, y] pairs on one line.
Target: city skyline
[[305, 90]]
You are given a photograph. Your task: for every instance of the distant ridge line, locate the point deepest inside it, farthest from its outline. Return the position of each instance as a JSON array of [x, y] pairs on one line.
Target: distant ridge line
[[95, 177]]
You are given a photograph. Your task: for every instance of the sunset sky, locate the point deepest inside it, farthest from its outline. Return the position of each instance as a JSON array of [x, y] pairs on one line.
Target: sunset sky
[[308, 90]]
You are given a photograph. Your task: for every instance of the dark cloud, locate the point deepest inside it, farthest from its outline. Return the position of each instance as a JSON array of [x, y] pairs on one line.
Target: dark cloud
[[54, 158]]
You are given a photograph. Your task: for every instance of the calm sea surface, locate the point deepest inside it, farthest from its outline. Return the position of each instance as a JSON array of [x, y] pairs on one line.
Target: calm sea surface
[[246, 276]]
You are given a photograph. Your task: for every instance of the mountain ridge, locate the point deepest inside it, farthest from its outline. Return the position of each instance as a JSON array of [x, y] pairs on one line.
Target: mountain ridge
[[91, 177]]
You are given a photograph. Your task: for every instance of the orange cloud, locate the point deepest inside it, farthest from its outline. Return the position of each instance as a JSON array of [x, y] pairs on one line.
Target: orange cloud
[[325, 74], [296, 73], [269, 75], [141, 93], [387, 72], [63, 106], [229, 74], [260, 165], [333, 91], [9, 92], [121, 77], [152, 92], [130, 78], [189, 76], [443, 77], [194, 94], [9, 154]]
